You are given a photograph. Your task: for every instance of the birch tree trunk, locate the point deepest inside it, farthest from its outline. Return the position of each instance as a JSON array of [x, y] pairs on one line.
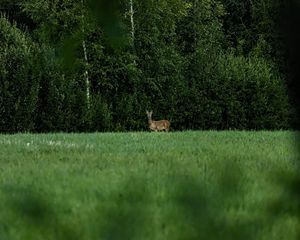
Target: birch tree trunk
[[132, 28], [132, 21], [86, 75]]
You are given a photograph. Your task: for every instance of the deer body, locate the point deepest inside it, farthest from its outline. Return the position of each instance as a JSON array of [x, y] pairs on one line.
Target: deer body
[[157, 125]]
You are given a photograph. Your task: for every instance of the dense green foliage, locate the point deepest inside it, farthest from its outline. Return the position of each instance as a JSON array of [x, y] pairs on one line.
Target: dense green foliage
[[88, 66], [19, 82], [184, 185]]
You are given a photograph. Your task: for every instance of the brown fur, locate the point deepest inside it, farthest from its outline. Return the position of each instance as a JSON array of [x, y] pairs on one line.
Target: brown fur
[[162, 125]]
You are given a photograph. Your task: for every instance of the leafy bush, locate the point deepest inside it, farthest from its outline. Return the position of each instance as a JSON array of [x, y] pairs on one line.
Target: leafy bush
[[255, 96], [19, 86], [234, 92]]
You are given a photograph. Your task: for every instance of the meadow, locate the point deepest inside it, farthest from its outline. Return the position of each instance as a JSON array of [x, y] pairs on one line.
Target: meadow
[[141, 185]]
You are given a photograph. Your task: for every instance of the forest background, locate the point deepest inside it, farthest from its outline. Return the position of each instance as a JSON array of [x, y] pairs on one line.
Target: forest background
[[86, 65]]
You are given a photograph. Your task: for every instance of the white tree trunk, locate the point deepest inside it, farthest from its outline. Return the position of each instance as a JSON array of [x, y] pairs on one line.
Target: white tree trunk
[[132, 21], [86, 75]]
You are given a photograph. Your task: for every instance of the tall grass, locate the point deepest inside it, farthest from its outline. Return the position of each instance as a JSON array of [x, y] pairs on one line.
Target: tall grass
[[187, 185]]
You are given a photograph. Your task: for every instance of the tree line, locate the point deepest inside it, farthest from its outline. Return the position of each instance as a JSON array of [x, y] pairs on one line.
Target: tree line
[[86, 65]]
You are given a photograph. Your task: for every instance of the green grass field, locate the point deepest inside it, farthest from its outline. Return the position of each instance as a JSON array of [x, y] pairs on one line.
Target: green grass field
[[180, 185]]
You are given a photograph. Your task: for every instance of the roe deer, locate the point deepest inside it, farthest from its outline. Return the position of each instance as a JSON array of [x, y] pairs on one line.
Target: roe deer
[[157, 125]]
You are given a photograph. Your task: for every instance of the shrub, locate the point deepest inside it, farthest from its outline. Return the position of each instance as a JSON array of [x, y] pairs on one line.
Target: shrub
[[254, 96], [19, 86]]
